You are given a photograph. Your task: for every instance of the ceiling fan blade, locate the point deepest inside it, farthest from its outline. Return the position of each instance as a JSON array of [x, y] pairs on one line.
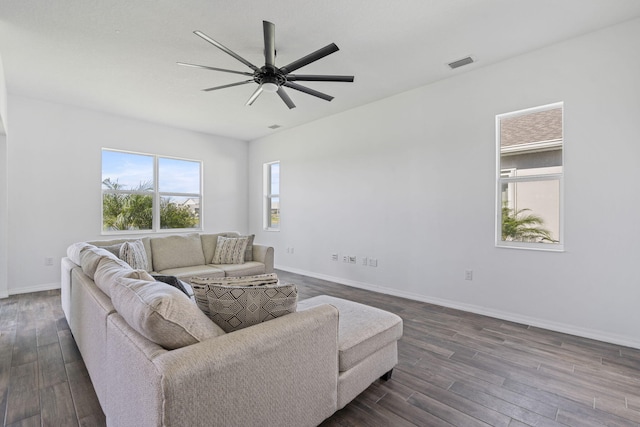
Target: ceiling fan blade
[[317, 78], [255, 95], [285, 98], [214, 68], [312, 57], [308, 91], [269, 43], [225, 49], [229, 85]]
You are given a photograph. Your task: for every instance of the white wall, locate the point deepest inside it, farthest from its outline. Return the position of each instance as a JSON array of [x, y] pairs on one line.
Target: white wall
[[54, 174], [4, 211], [410, 180]]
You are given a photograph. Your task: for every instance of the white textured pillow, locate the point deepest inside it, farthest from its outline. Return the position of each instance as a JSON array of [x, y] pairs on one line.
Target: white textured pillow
[[230, 250], [134, 254], [161, 313]]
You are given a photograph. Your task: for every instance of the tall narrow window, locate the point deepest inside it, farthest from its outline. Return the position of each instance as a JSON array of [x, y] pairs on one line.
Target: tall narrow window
[[529, 178], [146, 192], [272, 196]]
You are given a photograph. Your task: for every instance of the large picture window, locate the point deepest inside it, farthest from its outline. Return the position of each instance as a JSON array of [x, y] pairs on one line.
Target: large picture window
[[146, 192], [529, 178], [272, 196]]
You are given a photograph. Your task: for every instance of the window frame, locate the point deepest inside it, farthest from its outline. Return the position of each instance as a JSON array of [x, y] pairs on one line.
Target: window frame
[[156, 196], [503, 178], [268, 196]]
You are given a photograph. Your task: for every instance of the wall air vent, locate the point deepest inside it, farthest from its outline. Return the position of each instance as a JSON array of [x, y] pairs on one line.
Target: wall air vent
[[274, 126], [460, 62]]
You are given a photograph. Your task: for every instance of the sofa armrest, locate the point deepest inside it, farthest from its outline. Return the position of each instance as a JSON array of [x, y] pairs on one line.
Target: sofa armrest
[[281, 372], [264, 254]]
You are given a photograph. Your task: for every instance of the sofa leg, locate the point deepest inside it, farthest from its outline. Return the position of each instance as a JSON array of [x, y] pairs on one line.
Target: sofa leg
[[387, 376]]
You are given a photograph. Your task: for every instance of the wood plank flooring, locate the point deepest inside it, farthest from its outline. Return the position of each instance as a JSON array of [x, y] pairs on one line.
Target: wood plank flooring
[[455, 369]]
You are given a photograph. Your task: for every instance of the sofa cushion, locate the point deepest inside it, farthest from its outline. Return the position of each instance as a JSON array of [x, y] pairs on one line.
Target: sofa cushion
[[257, 280], [110, 269], [74, 250], [90, 257], [134, 254], [362, 330], [176, 251], [209, 242], [237, 307], [161, 313], [230, 250]]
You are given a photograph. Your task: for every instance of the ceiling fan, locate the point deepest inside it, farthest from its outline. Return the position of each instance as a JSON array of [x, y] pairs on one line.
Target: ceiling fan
[[271, 78]]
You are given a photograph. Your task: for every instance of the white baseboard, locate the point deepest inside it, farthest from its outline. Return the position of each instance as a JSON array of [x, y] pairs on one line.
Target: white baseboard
[[503, 315], [36, 288]]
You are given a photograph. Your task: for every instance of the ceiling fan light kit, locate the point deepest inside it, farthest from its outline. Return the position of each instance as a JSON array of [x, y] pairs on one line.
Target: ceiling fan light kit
[[269, 77]]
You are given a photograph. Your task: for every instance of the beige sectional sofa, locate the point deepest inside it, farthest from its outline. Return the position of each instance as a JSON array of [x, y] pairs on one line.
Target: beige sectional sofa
[[167, 364]]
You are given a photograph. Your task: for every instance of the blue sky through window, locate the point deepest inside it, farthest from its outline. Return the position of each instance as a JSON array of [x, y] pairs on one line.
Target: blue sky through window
[[130, 170]]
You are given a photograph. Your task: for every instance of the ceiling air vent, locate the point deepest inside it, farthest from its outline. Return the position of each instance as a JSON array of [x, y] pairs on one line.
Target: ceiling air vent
[[460, 62]]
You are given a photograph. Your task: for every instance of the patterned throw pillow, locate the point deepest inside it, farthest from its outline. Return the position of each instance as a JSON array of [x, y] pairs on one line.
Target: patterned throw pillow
[[134, 254], [237, 307], [230, 250], [257, 280]]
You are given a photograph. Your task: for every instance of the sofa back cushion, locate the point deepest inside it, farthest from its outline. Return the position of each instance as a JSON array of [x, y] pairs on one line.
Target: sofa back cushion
[[177, 251], [110, 270], [90, 257], [161, 313]]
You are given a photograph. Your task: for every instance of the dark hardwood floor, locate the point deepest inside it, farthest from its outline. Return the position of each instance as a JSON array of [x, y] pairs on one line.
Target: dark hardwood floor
[[455, 368]]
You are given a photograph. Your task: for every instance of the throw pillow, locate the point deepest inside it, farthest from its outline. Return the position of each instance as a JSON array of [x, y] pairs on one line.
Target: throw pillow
[[114, 249], [230, 250], [257, 280], [161, 314], [248, 253], [237, 307], [172, 281], [134, 254]]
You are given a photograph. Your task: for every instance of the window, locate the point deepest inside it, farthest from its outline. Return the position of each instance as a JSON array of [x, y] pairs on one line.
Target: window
[[146, 192], [272, 196], [529, 178]]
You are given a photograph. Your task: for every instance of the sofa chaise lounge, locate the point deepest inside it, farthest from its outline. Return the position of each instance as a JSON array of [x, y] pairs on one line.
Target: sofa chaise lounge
[[297, 369]]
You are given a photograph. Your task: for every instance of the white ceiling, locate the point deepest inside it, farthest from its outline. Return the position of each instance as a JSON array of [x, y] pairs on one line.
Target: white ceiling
[[119, 56]]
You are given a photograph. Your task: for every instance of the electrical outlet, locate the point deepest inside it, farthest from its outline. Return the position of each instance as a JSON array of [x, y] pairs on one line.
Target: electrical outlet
[[345, 258], [48, 261], [468, 275], [364, 260], [373, 262], [352, 259], [334, 257]]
